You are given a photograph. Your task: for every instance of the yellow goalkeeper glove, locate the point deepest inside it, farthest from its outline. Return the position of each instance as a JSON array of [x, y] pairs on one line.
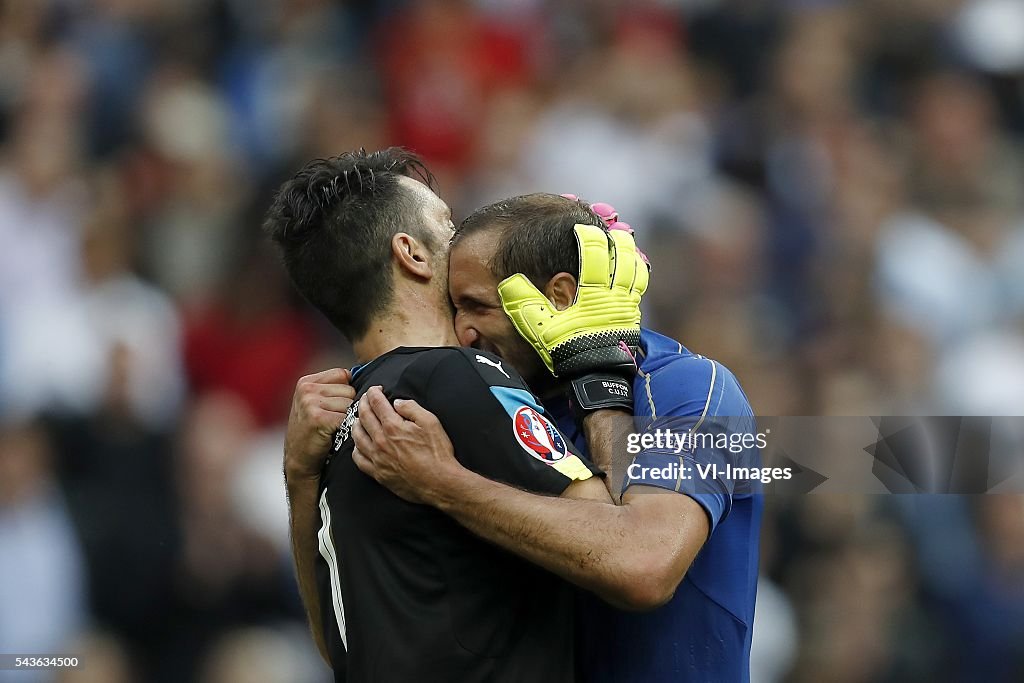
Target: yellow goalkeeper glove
[[600, 331]]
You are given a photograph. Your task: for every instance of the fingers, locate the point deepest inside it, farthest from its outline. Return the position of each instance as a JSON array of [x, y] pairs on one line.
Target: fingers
[[606, 211], [335, 390], [595, 259], [363, 449], [377, 418], [335, 404], [526, 307], [643, 273], [331, 376], [626, 259], [364, 464], [311, 397], [312, 390], [414, 412], [363, 441], [517, 291], [631, 272], [382, 409], [367, 420]]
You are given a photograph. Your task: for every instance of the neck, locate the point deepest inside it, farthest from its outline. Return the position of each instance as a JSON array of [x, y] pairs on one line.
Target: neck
[[409, 324]]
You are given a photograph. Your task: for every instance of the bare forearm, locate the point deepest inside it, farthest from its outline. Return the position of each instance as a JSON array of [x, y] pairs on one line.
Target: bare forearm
[[606, 432], [594, 545], [304, 520]]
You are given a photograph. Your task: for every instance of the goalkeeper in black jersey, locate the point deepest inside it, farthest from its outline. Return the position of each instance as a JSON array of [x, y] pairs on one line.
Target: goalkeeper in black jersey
[[400, 591]]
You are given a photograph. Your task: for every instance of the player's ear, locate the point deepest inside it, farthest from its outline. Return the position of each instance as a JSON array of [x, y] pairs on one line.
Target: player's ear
[[412, 255], [561, 290]]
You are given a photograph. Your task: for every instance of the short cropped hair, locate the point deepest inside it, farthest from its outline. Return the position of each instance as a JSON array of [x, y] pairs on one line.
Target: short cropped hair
[[537, 237], [333, 222]]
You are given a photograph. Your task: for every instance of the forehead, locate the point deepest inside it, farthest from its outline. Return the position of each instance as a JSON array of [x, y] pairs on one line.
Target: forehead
[[469, 263], [479, 246], [423, 196]]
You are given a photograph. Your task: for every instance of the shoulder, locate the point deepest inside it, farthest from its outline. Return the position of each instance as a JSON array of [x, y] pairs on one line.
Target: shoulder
[[465, 366], [691, 384], [465, 375]]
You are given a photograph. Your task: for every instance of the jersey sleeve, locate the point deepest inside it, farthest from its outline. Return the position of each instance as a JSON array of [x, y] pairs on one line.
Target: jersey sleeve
[[695, 427], [498, 427]]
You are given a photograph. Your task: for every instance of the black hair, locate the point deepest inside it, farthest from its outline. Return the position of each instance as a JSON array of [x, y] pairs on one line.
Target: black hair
[[537, 237], [333, 222]]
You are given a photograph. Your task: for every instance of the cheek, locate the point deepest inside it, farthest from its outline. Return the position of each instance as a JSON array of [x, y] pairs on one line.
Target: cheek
[[493, 328], [518, 352], [500, 328]]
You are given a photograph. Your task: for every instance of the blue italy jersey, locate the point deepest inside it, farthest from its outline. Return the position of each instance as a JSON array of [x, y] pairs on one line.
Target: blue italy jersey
[[704, 632]]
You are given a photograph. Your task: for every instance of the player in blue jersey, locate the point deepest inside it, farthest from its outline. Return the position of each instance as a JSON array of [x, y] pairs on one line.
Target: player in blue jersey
[[688, 556]]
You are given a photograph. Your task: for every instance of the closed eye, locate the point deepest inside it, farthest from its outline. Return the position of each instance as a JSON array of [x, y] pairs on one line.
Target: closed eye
[[474, 305]]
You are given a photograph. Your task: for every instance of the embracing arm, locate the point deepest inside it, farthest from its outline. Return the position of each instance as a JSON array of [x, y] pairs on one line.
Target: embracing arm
[[633, 555], [318, 407], [303, 520]]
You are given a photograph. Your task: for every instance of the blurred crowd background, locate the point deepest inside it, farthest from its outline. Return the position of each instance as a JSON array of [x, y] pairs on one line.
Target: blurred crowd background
[[831, 193]]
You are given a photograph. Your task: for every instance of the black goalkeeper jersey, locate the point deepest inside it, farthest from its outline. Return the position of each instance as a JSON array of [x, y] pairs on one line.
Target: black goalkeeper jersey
[[409, 595]]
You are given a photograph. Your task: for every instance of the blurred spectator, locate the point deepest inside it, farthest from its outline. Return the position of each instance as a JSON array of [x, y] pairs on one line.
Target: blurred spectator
[[42, 599], [103, 658], [227, 574], [259, 655], [775, 637], [949, 267], [194, 189], [440, 61], [991, 33], [971, 565], [258, 498], [641, 144], [249, 340], [49, 358], [115, 470], [137, 322]]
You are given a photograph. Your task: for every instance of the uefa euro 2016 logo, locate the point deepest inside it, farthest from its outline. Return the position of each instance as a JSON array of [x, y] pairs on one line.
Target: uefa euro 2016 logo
[[538, 436]]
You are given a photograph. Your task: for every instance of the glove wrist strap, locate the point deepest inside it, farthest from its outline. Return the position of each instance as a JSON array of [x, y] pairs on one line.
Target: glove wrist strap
[[599, 390]]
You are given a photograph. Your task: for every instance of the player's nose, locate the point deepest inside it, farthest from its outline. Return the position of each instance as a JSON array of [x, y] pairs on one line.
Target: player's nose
[[466, 333]]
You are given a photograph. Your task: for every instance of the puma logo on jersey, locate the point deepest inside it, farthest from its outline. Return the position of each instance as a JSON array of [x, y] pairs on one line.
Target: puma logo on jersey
[[345, 429], [488, 361]]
